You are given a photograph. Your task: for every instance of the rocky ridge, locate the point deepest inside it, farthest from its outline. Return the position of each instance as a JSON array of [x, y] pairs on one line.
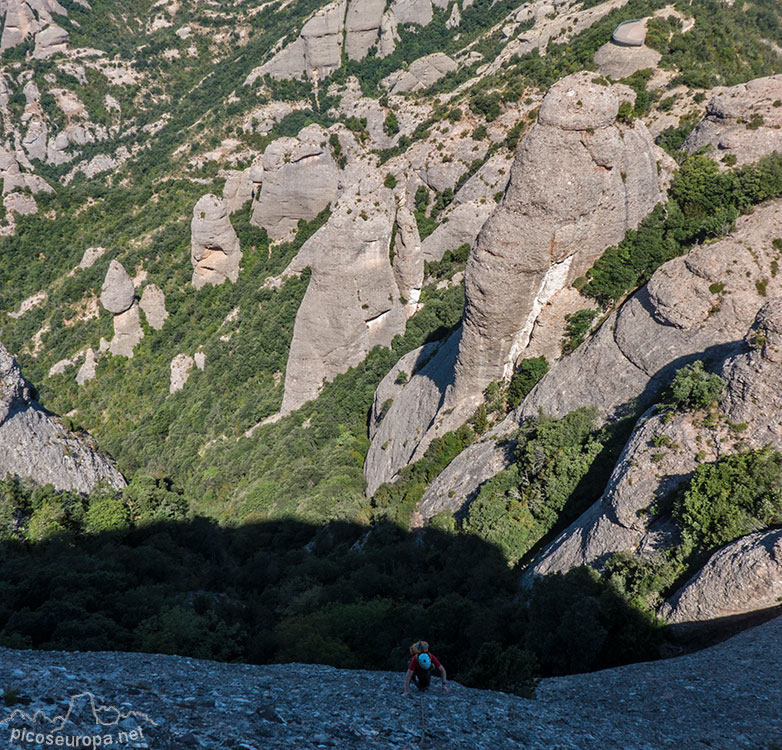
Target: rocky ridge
[[724, 697], [695, 307], [37, 446], [743, 121], [579, 181], [661, 455]]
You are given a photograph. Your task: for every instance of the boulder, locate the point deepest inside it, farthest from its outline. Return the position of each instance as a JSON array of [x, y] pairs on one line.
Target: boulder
[[117, 293], [50, 41], [744, 576], [579, 181], [87, 370], [742, 121], [181, 367], [344, 315], [127, 332], [300, 178], [37, 446], [91, 254], [15, 179], [153, 303], [322, 36], [214, 246], [20, 203], [617, 61]]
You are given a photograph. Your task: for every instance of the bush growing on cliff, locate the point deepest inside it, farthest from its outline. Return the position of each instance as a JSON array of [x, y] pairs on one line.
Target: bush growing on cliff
[[528, 373], [704, 203], [694, 388], [554, 471], [733, 497]]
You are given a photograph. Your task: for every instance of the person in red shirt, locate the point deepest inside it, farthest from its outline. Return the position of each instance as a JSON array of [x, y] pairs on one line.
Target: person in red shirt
[[419, 672]]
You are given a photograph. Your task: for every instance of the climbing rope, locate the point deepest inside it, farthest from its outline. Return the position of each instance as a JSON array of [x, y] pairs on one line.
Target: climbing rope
[[423, 726], [408, 746]]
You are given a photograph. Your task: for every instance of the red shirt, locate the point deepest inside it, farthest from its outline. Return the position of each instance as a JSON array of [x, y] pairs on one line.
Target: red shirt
[[413, 665]]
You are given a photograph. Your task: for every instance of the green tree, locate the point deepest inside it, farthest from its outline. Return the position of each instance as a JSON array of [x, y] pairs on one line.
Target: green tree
[[391, 124], [694, 388], [732, 497], [106, 512]]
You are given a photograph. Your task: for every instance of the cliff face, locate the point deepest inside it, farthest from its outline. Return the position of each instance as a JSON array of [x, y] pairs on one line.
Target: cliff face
[[579, 181], [37, 446], [744, 576], [679, 316], [352, 302]]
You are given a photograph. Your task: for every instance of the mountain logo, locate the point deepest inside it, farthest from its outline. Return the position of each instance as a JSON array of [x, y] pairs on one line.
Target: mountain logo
[[84, 709]]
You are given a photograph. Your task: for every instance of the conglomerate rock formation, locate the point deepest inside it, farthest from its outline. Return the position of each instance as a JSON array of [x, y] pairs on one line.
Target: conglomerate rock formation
[[620, 520], [299, 179], [725, 697], [215, 251], [744, 121], [698, 306], [353, 301], [579, 181], [37, 446]]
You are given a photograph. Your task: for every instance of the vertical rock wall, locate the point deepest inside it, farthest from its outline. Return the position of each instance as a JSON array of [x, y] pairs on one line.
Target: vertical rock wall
[[580, 180]]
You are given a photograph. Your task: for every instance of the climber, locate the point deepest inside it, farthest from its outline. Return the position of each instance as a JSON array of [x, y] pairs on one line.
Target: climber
[[420, 667]]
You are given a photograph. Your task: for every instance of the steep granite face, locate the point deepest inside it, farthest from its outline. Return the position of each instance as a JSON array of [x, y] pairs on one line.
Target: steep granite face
[[618, 521], [37, 446], [362, 23], [352, 302], [698, 306], [300, 178], [742, 577], [214, 251], [580, 180], [117, 293]]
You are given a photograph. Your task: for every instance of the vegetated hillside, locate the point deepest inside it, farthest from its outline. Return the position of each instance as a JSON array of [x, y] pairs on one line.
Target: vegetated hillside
[[175, 110]]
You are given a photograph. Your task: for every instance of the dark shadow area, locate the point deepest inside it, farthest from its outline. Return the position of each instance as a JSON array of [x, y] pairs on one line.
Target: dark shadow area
[[686, 637], [283, 591]]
